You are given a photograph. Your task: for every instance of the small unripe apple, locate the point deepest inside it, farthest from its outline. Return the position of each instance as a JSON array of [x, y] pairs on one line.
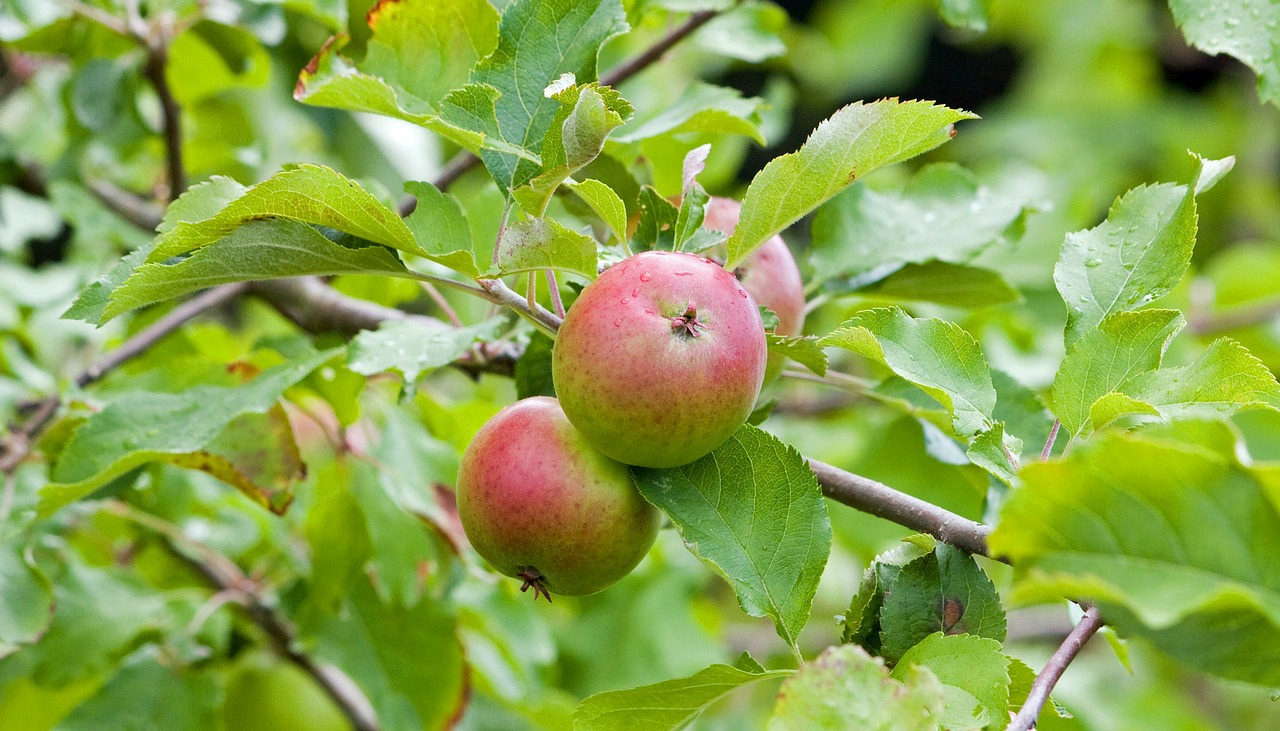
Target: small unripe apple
[[770, 275], [542, 505], [660, 359], [265, 693]]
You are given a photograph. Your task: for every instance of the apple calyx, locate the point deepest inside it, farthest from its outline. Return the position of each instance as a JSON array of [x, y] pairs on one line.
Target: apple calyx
[[533, 579], [688, 325]]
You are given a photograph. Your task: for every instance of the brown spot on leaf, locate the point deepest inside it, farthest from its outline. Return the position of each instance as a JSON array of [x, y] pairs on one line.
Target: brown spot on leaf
[[952, 613], [300, 89], [375, 13]]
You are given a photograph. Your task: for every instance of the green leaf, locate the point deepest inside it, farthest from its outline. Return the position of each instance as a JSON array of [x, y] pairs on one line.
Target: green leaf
[[671, 704], [1244, 29], [180, 428], [544, 243], [749, 32], [576, 137], [1226, 378], [968, 14], [1134, 257], [337, 535], [441, 229], [199, 202], [752, 511], [261, 249], [412, 347], [101, 612], [943, 591], [1021, 411], [845, 688], [1174, 542], [420, 50], [605, 203], [701, 107], [656, 228], [943, 213], [1116, 405], [93, 300], [26, 604], [1119, 347], [936, 355], [408, 662], [148, 693], [974, 674], [944, 283], [403, 554], [804, 349], [210, 58], [533, 369], [996, 452], [855, 141], [862, 621], [307, 193], [538, 41]]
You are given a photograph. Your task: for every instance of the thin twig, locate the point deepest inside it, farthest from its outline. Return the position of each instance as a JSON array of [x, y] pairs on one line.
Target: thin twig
[[1236, 318], [1090, 623], [646, 58], [1048, 444], [18, 444], [442, 303], [554, 286], [157, 61], [156, 331], [226, 577], [139, 211], [99, 16]]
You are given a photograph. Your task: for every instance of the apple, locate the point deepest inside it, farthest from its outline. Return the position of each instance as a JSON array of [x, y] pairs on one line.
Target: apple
[[542, 505], [660, 359], [265, 693], [770, 275]]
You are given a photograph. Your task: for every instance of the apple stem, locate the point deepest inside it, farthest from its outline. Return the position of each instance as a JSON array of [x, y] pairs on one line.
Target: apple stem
[[688, 324], [533, 578]]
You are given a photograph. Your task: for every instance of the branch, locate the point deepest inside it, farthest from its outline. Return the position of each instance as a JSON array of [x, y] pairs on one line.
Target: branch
[[462, 162], [646, 58], [227, 577], [1235, 318], [157, 61], [18, 444], [1090, 623], [318, 308], [882, 501]]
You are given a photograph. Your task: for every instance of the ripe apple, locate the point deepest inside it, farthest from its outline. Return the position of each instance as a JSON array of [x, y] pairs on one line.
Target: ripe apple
[[540, 504], [660, 359], [770, 275]]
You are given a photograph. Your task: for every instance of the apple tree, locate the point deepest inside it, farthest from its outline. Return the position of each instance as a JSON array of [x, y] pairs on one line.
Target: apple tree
[[816, 365]]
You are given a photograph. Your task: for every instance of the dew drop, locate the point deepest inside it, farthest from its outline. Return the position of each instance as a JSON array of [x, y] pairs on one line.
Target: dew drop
[[635, 293], [645, 277], [1094, 262], [742, 293], [625, 300], [682, 274]]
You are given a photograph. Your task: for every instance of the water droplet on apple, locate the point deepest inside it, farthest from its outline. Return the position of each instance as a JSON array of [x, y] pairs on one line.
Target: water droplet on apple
[[617, 323], [742, 293], [645, 277], [682, 274], [625, 300]]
